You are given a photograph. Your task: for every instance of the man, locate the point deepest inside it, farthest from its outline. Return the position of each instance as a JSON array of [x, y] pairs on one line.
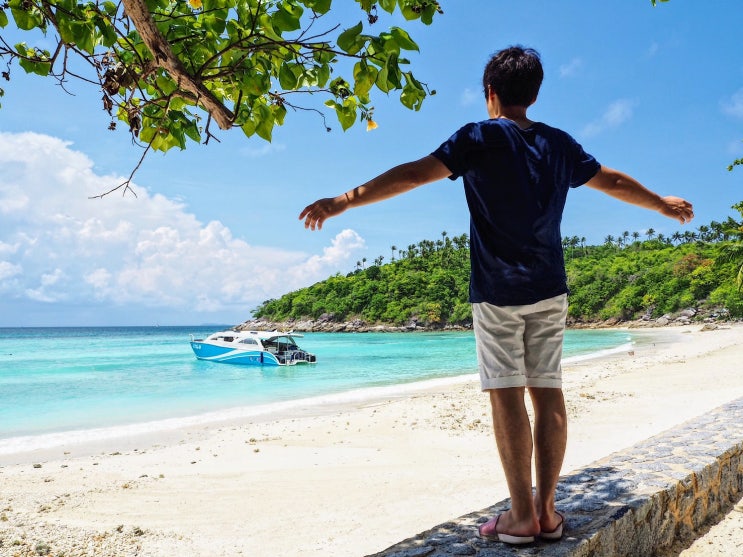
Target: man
[[516, 176]]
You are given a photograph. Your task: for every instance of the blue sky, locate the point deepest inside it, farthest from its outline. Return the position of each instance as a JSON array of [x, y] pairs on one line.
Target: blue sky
[[213, 231]]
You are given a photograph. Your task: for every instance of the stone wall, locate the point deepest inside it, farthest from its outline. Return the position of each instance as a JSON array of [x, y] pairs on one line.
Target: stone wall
[[649, 499]]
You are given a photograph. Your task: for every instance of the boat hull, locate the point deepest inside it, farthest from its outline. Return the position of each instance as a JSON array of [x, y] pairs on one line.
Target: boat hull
[[227, 355]]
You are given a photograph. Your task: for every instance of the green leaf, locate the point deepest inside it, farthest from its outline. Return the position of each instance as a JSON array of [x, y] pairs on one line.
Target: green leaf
[[340, 88], [192, 130], [386, 44], [319, 6], [108, 33], [413, 93], [350, 40], [264, 121], [215, 22], [255, 84], [364, 77], [248, 128], [146, 134], [287, 17], [26, 20], [403, 40], [109, 8], [33, 61], [163, 141], [346, 112], [64, 25], [410, 13], [279, 113], [166, 84], [389, 76], [287, 77], [84, 37], [428, 12], [209, 5], [177, 103], [323, 75], [322, 53], [388, 5], [38, 68], [3, 18]]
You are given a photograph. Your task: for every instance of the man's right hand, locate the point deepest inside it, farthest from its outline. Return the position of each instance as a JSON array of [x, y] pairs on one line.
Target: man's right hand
[[315, 214]]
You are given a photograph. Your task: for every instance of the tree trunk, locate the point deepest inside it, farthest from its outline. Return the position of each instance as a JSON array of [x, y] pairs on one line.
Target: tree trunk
[[164, 58]]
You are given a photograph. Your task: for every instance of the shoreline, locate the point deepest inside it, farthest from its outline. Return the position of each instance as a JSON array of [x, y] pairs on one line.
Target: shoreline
[[21, 448], [354, 480]]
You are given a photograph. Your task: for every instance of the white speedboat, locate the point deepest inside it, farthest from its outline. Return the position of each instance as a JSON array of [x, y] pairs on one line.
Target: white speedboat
[[252, 348]]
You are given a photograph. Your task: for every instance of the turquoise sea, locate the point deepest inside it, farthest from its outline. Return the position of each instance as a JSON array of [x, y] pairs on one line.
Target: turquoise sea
[[54, 381]]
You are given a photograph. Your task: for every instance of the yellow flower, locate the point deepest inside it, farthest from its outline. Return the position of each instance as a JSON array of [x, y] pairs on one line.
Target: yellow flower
[[371, 125], [195, 4]]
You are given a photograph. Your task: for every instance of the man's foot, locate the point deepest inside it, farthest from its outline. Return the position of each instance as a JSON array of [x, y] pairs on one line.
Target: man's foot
[[555, 533], [489, 531]]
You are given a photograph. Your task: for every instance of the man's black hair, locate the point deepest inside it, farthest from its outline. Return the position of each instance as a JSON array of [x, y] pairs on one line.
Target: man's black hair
[[514, 74]]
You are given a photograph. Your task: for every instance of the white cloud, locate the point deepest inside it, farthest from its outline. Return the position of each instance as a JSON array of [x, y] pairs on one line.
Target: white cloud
[[8, 269], [735, 148], [344, 245], [262, 150], [48, 289], [615, 115], [470, 97], [734, 106], [57, 244], [7, 248], [571, 68]]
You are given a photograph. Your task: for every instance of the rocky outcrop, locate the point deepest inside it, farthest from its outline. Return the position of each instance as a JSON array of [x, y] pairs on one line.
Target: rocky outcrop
[[327, 323]]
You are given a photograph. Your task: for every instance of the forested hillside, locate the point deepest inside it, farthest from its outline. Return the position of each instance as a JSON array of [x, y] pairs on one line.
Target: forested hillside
[[627, 277]]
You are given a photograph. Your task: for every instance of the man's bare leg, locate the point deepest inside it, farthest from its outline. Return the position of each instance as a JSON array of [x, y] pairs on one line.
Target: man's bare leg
[[550, 440], [513, 438]]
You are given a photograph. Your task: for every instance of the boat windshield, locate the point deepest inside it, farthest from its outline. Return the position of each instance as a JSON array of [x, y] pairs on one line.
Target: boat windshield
[[280, 344], [248, 341]]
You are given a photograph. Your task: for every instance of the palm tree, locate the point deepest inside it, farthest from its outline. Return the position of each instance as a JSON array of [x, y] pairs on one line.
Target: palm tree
[[734, 252], [393, 249], [568, 246], [718, 231], [650, 233]]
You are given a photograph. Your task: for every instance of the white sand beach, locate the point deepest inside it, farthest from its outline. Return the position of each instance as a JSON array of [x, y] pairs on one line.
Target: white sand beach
[[345, 481]]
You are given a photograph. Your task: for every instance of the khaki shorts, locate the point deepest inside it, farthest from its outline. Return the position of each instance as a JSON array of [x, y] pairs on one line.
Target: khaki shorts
[[520, 346]]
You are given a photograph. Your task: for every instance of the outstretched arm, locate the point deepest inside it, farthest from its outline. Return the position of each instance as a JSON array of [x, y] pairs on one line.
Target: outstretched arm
[[627, 189], [395, 181]]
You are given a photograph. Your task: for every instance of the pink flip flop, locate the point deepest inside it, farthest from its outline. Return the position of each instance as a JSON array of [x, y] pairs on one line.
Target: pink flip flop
[[555, 534], [488, 531]]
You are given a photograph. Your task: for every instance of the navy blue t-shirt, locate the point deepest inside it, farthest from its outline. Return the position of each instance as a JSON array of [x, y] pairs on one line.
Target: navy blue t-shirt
[[516, 182]]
